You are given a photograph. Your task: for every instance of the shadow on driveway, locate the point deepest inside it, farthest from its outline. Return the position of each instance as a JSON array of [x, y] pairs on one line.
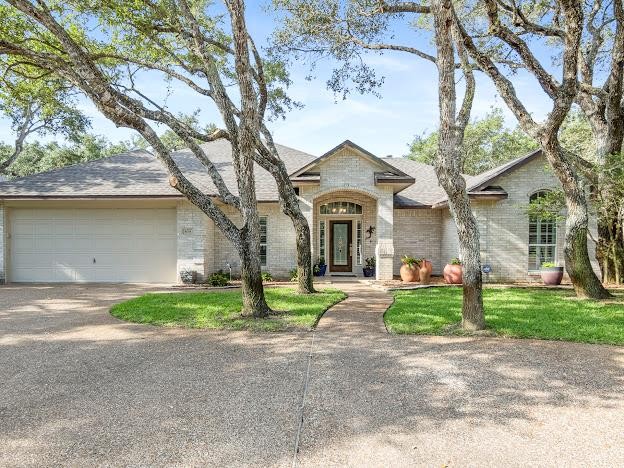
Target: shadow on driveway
[[78, 386]]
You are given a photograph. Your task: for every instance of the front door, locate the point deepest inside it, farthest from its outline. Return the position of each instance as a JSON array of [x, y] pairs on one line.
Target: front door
[[340, 235]]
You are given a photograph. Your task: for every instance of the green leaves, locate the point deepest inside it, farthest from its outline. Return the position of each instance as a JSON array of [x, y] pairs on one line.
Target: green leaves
[[487, 144], [39, 157]]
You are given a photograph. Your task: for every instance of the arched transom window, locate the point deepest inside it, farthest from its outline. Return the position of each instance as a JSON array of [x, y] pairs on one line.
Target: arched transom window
[[542, 237], [341, 208]]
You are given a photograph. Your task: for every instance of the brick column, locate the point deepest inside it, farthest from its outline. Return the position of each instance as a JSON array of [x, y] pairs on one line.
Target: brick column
[[191, 225], [384, 250]]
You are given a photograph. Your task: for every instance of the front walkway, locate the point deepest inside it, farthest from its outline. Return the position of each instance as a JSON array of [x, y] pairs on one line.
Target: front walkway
[[361, 313], [79, 387]]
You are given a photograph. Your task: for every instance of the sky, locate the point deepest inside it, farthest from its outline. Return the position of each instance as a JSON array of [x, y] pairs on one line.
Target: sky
[[384, 125]]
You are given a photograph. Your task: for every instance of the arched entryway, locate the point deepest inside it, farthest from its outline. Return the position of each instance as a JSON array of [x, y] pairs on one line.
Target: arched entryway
[[344, 230]]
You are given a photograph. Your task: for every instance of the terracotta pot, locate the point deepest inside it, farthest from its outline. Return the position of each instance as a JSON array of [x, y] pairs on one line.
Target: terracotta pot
[[428, 265], [453, 274], [552, 276], [425, 274], [410, 274]]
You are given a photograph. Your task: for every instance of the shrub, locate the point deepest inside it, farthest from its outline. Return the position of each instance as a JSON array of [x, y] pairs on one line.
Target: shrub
[[266, 276], [548, 265], [370, 262], [455, 261], [294, 276], [218, 279], [411, 261]]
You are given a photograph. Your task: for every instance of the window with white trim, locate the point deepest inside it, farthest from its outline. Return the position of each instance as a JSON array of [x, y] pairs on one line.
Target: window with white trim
[[340, 208], [542, 238], [322, 239], [358, 238], [263, 240]]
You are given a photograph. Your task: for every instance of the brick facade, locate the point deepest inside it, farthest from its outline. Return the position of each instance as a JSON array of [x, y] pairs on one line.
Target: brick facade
[[504, 225], [281, 246], [351, 177], [417, 233], [346, 176], [193, 234], [428, 233]]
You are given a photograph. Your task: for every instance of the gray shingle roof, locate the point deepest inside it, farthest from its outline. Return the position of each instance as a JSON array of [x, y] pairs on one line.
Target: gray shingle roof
[[422, 193], [140, 174]]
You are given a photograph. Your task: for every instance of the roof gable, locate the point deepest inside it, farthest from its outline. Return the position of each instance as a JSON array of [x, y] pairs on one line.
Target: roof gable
[[481, 181], [383, 165]]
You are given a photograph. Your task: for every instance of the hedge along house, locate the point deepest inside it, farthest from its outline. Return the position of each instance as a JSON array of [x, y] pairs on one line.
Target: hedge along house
[[118, 220]]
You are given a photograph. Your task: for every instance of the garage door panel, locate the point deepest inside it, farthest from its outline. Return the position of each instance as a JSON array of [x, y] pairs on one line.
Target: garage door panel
[[23, 228], [128, 245]]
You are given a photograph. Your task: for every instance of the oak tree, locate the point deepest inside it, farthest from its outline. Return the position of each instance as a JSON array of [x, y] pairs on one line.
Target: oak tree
[[188, 42]]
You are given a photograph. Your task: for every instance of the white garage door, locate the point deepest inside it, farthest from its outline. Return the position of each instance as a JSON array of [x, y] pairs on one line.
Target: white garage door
[[98, 245]]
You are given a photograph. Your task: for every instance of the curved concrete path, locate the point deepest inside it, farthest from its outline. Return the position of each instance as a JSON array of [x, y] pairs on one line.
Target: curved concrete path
[[361, 312]]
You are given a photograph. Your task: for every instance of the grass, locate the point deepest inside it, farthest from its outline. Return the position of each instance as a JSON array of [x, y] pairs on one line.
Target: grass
[[512, 312], [218, 310]]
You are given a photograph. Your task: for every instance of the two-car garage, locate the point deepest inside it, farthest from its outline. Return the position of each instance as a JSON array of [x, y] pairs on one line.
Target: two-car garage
[[91, 245]]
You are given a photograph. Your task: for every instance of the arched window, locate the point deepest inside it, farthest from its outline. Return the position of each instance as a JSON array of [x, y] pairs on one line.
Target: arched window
[[341, 208], [542, 237]]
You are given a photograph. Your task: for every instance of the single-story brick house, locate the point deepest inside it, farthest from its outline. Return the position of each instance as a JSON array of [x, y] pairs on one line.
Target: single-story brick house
[[118, 220]]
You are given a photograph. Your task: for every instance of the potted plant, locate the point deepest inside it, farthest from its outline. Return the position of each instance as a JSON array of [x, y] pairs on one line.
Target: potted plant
[[426, 268], [320, 267], [410, 270], [453, 272], [188, 276], [551, 274], [369, 269]]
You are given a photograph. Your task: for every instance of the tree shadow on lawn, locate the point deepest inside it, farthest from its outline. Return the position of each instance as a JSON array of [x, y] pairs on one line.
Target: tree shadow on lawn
[[513, 312]]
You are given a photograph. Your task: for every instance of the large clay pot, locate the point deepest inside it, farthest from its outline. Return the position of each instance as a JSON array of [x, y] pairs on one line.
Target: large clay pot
[[453, 274], [410, 274], [425, 274], [427, 265], [552, 276]]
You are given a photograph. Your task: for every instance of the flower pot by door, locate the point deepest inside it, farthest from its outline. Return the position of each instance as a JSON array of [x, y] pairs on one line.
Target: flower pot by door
[[321, 270], [369, 272], [410, 273]]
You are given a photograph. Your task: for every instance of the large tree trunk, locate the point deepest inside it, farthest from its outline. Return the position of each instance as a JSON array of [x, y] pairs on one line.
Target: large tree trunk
[[254, 302], [449, 161], [305, 272], [577, 262], [610, 239], [290, 206], [469, 247], [268, 158]]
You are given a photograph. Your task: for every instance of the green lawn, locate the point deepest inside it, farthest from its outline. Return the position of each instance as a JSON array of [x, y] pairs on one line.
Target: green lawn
[[514, 312], [222, 309]]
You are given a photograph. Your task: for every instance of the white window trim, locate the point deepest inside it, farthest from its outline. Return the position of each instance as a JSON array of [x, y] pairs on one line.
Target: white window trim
[[555, 235], [266, 241], [323, 245]]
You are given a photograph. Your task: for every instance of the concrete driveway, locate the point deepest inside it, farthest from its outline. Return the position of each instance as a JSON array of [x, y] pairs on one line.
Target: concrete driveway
[[79, 387]]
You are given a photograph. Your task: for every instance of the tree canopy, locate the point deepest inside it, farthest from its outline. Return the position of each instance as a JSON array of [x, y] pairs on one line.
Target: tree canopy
[[487, 144], [40, 157]]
